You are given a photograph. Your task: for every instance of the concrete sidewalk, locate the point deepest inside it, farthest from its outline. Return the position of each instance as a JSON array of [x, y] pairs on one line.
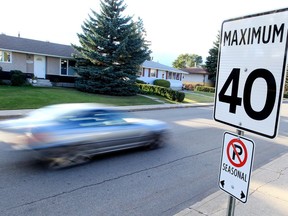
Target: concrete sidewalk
[[268, 195]]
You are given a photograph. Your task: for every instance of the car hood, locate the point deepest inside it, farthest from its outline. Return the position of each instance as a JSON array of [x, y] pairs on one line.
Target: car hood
[[23, 124]]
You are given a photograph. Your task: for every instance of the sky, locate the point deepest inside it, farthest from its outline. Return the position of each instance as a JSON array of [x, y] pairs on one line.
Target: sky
[[173, 27]]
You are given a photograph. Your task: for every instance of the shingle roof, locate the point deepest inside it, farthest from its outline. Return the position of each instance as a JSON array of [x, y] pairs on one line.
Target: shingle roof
[[156, 65], [23, 45], [195, 70]]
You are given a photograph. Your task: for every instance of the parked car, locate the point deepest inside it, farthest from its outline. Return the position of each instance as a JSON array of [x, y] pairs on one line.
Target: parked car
[[69, 134]]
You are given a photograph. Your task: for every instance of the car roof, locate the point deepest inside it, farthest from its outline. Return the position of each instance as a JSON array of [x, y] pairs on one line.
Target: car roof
[[53, 111]]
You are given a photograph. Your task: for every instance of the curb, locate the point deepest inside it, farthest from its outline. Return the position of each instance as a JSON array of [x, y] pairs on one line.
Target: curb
[[12, 114]]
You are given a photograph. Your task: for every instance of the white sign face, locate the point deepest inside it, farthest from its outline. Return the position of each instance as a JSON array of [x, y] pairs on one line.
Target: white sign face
[[236, 165], [251, 72]]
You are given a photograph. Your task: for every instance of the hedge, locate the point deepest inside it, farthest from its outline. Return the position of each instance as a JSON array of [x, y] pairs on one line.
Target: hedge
[[162, 91], [205, 89], [140, 81], [162, 83]]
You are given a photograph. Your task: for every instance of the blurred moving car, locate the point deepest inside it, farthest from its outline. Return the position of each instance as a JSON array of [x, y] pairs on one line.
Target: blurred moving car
[[69, 134]]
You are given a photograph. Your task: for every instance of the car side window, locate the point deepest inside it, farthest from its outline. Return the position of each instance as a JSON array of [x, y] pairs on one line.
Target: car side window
[[109, 119], [93, 118]]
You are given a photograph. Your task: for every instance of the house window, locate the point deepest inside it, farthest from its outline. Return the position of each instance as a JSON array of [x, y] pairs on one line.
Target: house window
[[5, 56], [67, 67], [139, 73], [153, 73]]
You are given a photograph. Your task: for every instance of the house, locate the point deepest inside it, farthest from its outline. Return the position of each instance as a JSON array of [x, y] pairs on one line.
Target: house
[[43, 60], [196, 76], [54, 62], [151, 71]]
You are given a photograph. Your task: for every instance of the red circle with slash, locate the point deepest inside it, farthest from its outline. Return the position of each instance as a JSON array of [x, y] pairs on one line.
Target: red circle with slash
[[235, 158]]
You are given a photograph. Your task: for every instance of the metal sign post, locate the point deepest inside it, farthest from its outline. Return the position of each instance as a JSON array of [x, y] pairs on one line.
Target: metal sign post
[[232, 200], [231, 206]]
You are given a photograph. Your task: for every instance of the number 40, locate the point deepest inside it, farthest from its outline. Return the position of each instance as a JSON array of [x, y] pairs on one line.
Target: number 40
[[235, 101]]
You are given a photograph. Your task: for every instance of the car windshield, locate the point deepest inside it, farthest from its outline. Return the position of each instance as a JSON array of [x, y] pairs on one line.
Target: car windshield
[[97, 117], [47, 113]]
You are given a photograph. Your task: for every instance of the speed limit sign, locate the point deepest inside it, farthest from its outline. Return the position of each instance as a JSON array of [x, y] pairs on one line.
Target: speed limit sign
[[251, 72]]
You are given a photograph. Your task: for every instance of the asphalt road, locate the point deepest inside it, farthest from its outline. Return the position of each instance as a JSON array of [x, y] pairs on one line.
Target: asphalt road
[[139, 182]]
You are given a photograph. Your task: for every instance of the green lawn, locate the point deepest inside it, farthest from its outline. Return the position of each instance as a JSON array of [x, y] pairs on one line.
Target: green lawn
[[28, 97], [12, 97], [199, 97]]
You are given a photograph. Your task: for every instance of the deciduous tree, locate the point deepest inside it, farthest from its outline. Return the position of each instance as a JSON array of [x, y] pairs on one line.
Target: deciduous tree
[[187, 61]]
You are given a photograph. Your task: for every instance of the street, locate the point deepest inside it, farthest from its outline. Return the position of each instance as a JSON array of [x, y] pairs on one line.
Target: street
[[137, 182]]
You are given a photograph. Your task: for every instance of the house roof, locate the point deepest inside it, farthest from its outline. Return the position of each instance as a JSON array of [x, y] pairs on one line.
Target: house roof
[[195, 70], [30, 46], [23, 45], [156, 65]]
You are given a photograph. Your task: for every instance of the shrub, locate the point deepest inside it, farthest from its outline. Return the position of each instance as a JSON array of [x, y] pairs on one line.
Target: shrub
[[162, 91], [17, 78], [140, 81], [205, 89], [162, 82], [2, 82], [188, 86], [180, 96]]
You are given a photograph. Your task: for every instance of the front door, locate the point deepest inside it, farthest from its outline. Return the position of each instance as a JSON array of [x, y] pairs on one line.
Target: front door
[[39, 66]]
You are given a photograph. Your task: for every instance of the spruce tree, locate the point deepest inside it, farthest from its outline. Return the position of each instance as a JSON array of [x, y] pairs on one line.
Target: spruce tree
[[212, 59], [112, 49]]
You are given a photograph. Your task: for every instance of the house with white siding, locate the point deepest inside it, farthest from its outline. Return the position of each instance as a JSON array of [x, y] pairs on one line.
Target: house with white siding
[[151, 71], [54, 62], [196, 76], [44, 60]]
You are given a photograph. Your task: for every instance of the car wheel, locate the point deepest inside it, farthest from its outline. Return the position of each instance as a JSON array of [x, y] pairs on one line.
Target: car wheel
[[58, 163], [157, 143], [68, 161]]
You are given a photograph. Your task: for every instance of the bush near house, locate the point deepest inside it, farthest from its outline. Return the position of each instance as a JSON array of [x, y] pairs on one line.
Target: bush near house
[[140, 81], [188, 86], [162, 91], [205, 89], [64, 79], [17, 78], [162, 83]]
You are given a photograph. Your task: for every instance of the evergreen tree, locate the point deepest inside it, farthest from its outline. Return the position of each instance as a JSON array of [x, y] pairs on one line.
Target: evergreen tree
[[113, 47], [212, 59]]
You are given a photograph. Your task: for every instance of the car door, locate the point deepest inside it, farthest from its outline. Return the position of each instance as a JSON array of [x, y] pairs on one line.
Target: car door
[[111, 132], [99, 131]]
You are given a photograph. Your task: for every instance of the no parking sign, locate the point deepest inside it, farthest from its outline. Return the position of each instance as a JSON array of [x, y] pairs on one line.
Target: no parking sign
[[236, 165]]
